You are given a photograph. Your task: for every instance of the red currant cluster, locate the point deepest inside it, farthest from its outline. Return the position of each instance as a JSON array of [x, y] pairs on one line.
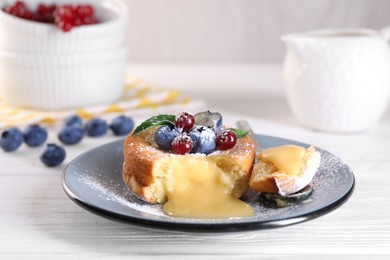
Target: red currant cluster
[[182, 144], [65, 16], [19, 9], [69, 16], [45, 13]]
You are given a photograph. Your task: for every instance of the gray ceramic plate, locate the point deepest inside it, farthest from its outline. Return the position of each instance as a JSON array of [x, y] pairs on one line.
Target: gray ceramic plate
[[93, 180]]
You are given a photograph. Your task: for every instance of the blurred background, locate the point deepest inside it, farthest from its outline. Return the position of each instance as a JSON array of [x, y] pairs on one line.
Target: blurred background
[[236, 30]]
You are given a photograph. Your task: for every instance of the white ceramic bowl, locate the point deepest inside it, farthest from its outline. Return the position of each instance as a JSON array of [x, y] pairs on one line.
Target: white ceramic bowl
[[27, 36], [62, 81]]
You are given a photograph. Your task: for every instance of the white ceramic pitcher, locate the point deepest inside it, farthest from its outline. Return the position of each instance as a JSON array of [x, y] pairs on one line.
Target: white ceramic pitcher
[[337, 80]]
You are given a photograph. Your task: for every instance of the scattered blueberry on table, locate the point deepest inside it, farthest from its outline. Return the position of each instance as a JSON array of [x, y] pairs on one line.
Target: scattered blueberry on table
[[72, 132], [71, 135], [122, 125], [53, 155], [96, 127], [35, 135], [74, 120], [11, 139]]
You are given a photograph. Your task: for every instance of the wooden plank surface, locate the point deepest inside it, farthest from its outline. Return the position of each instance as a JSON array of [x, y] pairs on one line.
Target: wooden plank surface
[[38, 221]]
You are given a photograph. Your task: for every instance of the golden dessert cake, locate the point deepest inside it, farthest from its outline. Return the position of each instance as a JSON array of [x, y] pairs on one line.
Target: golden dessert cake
[[200, 183], [284, 170]]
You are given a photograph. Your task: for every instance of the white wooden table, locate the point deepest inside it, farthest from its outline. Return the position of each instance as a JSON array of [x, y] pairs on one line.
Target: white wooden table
[[38, 221]]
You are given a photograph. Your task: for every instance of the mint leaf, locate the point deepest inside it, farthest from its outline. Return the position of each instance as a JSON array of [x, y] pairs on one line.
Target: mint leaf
[[239, 133], [155, 121]]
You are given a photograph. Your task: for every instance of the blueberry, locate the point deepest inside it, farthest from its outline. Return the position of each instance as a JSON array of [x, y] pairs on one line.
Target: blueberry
[[164, 136], [209, 119], [53, 155], [204, 140], [195, 137], [122, 125], [35, 135], [71, 134], [11, 139], [96, 127], [73, 120]]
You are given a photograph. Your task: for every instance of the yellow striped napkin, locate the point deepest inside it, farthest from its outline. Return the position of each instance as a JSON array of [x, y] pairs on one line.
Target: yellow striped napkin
[[140, 99]]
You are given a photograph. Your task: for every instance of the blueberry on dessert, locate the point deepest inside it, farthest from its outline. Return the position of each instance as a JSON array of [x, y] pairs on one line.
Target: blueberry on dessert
[[209, 119], [204, 139], [164, 136], [11, 139]]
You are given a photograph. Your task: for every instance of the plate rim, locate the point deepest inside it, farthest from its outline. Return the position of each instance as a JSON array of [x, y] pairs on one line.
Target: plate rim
[[220, 227]]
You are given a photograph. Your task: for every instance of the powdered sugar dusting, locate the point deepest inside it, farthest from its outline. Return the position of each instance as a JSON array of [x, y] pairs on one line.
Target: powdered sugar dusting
[[102, 186], [116, 193], [331, 175]]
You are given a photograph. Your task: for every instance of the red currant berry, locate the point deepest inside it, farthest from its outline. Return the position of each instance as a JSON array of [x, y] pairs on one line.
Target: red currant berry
[[226, 139], [20, 10], [184, 121], [19, 4], [67, 11], [89, 20], [45, 13], [78, 21], [23, 13], [85, 10], [182, 144], [65, 24]]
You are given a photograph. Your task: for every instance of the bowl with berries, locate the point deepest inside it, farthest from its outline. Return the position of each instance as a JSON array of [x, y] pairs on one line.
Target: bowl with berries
[[63, 26], [62, 54]]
